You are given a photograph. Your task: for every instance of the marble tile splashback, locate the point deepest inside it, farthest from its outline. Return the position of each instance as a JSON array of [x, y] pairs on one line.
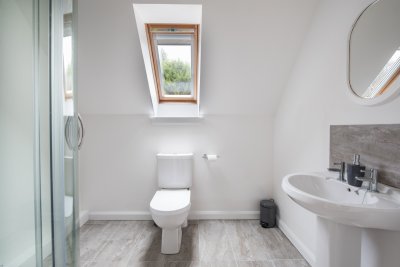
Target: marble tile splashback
[[378, 146]]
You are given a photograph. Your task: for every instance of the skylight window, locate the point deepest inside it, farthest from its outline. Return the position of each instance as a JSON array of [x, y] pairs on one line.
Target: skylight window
[[174, 57]]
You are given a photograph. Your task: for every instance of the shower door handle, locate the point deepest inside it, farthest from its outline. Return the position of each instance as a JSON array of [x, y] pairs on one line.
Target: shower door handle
[[80, 133]]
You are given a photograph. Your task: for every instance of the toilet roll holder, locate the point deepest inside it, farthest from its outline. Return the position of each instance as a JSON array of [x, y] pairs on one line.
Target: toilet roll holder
[[210, 157]]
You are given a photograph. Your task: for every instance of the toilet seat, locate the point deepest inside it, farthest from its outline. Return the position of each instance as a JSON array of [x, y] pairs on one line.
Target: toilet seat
[[170, 201]]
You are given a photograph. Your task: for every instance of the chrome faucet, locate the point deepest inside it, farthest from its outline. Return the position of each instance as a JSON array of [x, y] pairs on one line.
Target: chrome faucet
[[372, 179], [340, 170]]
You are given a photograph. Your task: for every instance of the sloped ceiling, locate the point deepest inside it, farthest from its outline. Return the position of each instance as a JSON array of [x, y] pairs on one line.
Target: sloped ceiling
[[248, 49]]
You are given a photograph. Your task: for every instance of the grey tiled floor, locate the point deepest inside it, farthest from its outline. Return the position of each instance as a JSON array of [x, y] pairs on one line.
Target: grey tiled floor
[[222, 243]]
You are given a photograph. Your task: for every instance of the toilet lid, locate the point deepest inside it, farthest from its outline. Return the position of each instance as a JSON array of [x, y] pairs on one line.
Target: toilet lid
[[170, 200]]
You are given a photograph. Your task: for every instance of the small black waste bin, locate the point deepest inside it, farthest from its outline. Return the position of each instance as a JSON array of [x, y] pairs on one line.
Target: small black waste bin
[[267, 213]]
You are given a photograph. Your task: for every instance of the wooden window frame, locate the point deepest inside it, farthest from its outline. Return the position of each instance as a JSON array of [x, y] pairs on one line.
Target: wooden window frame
[[390, 81], [154, 62]]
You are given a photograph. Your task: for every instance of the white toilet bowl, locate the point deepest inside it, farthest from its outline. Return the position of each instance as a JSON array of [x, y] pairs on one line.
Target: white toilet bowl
[[169, 209]]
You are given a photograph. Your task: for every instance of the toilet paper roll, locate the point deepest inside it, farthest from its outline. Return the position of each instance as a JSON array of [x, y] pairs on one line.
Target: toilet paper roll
[[211, 157]]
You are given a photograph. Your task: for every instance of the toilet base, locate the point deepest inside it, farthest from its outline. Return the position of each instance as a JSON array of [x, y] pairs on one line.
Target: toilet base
[[171, 240]]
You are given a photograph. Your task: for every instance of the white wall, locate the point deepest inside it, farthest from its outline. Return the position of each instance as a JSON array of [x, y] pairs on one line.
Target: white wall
[[315, 97], [245, 55], [118, 164], [245, 61]]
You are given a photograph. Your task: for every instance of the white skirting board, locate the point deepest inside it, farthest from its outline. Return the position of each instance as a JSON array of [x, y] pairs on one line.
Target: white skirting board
[[193, 215], [83, 217], [120, 215], [224, 215], [303, 249]]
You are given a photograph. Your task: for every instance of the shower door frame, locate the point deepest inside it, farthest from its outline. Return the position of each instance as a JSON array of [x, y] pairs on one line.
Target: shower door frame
[[61, 255]]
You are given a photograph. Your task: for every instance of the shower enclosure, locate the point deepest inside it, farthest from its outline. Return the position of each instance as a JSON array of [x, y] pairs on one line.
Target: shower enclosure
[[39, 134]]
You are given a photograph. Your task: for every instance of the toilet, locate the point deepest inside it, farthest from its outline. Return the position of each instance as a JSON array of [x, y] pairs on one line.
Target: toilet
[[170, 205]]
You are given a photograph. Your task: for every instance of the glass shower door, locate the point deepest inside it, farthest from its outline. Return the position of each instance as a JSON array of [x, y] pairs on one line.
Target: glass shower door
[[38, 135], [25, 179]]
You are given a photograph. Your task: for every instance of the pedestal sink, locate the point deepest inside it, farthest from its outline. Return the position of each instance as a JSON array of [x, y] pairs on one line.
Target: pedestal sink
[[349, 217]]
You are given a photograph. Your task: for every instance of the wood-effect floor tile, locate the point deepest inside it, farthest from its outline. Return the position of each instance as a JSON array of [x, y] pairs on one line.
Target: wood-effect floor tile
[[255, 264], [147, 264], [247, 244], [91, 246], [276, 243], [116, 252], [219, 243], [148, 245], [290, 263], [182, 264], [214, 242]]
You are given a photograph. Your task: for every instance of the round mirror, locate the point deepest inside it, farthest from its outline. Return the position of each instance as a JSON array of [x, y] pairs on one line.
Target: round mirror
[[374, 53]]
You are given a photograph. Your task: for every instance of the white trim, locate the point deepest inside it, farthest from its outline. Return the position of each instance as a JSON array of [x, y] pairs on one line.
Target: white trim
[[83, 217], [303, 249], [177, 110], [120, 215], [193, 215], [224, 215], [176, 120]]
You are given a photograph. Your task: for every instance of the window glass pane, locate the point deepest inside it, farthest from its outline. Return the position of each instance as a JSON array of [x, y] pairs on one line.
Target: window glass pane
[[67, 58], [175, 70]]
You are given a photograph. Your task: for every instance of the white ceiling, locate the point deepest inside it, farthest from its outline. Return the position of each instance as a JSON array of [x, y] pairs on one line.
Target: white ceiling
[[248, 49]]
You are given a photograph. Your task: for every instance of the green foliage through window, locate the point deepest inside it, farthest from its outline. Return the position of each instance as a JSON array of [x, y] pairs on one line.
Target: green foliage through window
[[177, 76]]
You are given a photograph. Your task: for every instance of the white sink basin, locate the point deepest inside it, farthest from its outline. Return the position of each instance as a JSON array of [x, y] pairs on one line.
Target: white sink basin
[[342, 203]]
